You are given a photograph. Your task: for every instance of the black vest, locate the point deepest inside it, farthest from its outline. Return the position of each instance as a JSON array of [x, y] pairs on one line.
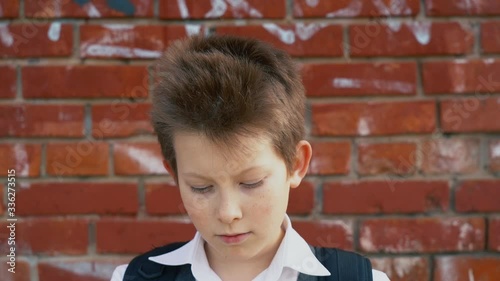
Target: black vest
[[343, 266]]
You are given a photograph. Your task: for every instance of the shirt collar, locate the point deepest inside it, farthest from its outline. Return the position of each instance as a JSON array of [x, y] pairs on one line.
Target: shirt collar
[[293, 252]]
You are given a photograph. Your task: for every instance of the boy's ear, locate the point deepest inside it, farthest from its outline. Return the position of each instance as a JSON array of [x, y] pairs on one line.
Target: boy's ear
[[301, 164], [169, 169]]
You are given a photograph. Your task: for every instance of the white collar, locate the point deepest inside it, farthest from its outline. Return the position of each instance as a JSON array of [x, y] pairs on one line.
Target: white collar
[[293, 252]]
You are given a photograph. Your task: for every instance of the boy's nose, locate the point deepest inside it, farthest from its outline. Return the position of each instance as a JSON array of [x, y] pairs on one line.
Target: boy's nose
[[229, 208]]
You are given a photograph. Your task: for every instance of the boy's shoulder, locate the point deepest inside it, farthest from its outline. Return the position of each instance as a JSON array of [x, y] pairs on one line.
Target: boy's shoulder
[[146, 269]]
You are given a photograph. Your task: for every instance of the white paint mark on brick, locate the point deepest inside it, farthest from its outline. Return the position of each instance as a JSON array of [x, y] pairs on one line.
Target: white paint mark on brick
[[22, 163], [193, 29], [127, 52], [57, 8], [118, 26], [489, 60], [363, 127], [495, 150], [87, 269], [92, 11], [307, 31], [458, 77], [312, 3], [148, 161], [5, 36], [54, 32], [394, 25], [352, 10], [183, 8], [366, 240], [404, 266], [346, 83], [466, 230], [241, 6], [346, 226], [421, 31], [219, 7], [383, 85], [286, 36], [396, 7], [24, 185], [466, 5], [471, 275]]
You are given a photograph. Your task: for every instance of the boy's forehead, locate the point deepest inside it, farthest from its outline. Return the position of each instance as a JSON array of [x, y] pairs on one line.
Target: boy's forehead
[[241, 152]]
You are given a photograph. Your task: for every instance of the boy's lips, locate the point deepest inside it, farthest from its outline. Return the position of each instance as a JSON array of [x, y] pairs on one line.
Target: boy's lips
[[234, 238]]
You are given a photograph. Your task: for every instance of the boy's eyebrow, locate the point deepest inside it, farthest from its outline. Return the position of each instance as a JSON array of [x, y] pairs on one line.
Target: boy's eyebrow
[[192, 174]]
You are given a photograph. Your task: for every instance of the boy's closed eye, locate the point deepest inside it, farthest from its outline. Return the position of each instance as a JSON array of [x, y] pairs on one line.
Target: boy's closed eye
[[249, 185]]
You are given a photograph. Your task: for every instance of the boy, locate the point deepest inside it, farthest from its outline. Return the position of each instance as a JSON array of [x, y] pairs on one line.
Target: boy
[[229, 115]]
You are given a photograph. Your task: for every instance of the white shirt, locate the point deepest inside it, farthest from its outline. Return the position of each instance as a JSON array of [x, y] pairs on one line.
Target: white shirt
[[293, 256]]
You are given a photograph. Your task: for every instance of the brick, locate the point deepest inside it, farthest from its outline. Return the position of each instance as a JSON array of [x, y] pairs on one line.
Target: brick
[[326, 233], [22, 270], [478, 196], [470, 115], [130, 41], [36, 40], [490, 41], [192, 9], [493, 236], [422, 235], [52, 236], [121, 120], [91, 9], [132, 236], [494, 153], [85, 81], [8, 82], [403, 268], [356, 8], [466, 268], [79, 270], [163, 199], [330, 158], [391, 196], [410, 39], [461, 76], [301, 199], [462, 8], [450, 156], [24, 158], [386, 158], [30, 120], [9, 9], [67, 198], [360, 79], [373, 118], [138, 159], [85, 158], [299, 40]]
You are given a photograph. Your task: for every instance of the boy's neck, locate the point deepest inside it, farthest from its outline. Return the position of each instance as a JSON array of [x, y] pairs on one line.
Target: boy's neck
[[230, 269]]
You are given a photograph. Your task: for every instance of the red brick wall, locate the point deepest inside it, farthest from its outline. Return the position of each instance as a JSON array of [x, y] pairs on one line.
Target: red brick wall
[[404, 120]]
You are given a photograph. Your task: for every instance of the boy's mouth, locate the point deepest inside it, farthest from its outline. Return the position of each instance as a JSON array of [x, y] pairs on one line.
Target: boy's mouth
[[235, 238]]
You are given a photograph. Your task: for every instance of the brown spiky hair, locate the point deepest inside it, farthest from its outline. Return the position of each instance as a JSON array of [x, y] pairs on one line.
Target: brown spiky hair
[[225, 87]]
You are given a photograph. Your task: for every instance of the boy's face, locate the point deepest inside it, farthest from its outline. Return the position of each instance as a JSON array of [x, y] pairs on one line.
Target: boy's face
[[245, 193]]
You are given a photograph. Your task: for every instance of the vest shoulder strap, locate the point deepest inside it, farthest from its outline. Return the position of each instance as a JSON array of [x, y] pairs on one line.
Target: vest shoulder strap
[[141, 268], [344, 265]]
